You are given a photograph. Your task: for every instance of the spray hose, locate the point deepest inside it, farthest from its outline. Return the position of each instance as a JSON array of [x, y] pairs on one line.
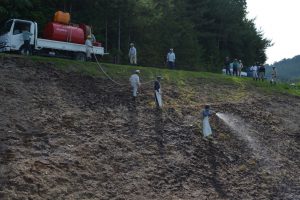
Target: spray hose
[[148, 82], [120, 84]]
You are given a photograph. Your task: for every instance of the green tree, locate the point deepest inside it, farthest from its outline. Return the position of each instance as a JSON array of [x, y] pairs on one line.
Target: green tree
[[202, 32]]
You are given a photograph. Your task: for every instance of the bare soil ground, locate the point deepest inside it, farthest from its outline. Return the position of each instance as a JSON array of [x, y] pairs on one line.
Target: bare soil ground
[[68, 136]]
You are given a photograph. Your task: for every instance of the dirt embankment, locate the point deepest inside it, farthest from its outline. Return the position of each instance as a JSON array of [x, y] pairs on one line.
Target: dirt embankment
[[69, 136]]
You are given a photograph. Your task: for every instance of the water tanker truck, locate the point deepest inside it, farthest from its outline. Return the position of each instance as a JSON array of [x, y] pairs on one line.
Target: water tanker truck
[[60, 38]]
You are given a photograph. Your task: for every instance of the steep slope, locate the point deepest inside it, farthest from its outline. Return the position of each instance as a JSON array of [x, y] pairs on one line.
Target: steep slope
[[65, 135]]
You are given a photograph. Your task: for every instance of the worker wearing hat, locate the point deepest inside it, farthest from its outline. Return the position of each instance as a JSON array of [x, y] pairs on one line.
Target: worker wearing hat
[[89, 46], [157, 92], [274, 75], [132, 54], [26, 38], [171, 59], [135, 83]]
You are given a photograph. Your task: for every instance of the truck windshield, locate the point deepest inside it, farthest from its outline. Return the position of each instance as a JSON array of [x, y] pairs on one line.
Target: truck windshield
[[6, 28]]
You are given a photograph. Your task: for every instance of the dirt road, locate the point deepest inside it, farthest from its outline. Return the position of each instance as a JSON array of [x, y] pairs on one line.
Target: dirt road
[[69, 136]]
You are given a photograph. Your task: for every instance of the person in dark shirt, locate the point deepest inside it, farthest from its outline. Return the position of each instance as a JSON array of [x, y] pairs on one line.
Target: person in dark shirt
[[235, 65], [261, 72], [227, 65], [157, 92]]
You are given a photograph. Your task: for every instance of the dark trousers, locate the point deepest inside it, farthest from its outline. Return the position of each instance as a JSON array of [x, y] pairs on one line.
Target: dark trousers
[[261, 75], [171, 65], [27, 48], [235, 72], [228, 71]]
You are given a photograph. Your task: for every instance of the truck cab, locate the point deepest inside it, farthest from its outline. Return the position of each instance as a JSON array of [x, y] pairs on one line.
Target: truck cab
[[11, 37]]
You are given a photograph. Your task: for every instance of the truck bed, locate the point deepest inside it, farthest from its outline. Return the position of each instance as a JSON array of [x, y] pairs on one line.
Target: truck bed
[[65, 46]]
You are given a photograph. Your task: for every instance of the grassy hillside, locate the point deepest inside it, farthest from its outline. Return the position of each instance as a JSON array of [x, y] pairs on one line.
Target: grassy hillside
[[121, 73]]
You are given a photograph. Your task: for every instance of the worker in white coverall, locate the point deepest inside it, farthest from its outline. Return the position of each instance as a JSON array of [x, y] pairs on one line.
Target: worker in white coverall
[[171, 59], [27, 37], [135, 83], [274, 75], [254, 70], [157, 92], [132, 54], [89, 46], [206, 113]]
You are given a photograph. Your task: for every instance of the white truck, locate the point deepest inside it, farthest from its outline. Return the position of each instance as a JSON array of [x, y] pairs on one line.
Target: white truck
[[11, 40]]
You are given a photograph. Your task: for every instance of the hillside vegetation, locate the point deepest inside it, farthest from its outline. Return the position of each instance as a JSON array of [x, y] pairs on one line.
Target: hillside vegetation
[[177, 77], [288, 69], [202, 33]]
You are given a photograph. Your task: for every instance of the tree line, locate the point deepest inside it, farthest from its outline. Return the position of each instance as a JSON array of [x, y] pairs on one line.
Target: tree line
[[202, 32]]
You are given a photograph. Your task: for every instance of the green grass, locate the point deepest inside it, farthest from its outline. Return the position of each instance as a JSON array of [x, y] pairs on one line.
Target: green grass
[[283, 88], [181, 78]]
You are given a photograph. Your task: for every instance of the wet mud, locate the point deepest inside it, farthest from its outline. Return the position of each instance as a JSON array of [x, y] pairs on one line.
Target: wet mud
[[65, 135]]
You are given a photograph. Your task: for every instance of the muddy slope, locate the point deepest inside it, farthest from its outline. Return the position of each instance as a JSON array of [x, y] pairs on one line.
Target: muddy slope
[[69, 136]]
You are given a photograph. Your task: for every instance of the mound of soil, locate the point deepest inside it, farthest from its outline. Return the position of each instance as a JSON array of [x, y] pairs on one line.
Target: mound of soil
[[69, 136]]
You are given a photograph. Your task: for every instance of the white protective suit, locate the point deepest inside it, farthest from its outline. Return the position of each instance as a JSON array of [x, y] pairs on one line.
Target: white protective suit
[[206, 126], [254, 71], [132, 55], [89, 46], [135, 83]]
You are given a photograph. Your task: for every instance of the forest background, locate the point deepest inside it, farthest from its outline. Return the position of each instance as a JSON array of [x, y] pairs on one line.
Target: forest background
[[202, 32]]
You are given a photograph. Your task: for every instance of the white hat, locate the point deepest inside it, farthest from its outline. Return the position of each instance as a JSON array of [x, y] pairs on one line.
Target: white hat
[[137, 71], [131, 44]]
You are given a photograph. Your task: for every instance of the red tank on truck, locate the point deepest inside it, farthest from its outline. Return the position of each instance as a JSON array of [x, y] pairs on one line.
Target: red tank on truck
[[59, 40]]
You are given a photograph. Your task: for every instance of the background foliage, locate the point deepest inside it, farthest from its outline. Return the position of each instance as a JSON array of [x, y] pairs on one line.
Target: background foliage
[[288, 69], [202, 32]]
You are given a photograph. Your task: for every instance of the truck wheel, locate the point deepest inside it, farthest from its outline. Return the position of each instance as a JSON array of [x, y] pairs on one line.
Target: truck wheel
[[80, 57]]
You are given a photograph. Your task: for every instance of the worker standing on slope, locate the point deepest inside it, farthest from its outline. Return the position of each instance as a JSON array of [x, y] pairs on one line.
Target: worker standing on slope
[[132, 54], [240, 67], [206, 113], [261, 72], [274, 75], [254, 70], [235, 66], [27, 37], [89, 46], [135, 83], [227, 66], [157, 92], [171, 59]]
